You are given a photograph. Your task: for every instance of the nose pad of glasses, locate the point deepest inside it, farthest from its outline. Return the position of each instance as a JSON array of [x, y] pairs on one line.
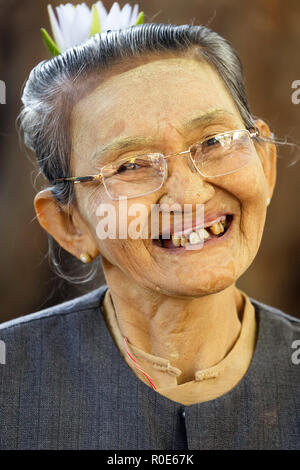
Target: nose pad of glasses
[[191, 163], [165, 169]]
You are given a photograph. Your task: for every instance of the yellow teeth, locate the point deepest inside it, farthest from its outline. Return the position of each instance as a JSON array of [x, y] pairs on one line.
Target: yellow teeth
[[197, 236], [176, 240], [217, 228], [183, 241], [193, 238]]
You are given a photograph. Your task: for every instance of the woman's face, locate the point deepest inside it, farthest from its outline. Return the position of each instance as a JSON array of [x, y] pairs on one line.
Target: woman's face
[[155, 101]]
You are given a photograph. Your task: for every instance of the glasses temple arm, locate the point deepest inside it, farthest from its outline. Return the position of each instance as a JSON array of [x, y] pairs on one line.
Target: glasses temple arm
[[81, 179]]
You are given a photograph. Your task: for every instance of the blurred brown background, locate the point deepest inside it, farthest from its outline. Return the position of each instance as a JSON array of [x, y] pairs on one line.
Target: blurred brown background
[[266, 34]]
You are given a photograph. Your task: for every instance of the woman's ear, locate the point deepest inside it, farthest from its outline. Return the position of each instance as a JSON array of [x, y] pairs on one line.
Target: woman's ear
[[268, 155], [64, 224]]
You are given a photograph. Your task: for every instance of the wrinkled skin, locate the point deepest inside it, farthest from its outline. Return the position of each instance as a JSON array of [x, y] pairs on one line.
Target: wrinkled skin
[[173, 305]]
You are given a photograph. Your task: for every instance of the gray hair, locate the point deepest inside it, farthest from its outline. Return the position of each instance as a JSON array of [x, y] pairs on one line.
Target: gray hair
[[55, 85]]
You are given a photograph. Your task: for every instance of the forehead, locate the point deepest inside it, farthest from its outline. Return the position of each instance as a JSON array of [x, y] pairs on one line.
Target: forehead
[[158, 83], [134, 102]]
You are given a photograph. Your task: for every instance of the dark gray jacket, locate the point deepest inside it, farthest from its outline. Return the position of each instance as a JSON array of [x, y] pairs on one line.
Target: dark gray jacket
[[66, 386]]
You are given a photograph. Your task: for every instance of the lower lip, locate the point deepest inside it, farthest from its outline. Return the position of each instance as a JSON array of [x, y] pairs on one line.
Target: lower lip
[[209, 242]]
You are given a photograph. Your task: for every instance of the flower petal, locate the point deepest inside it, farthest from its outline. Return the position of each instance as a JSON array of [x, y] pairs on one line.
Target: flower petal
[[95, 23], [81, 24], [49, 43], [55, 28], [125, 16], [140, 18], [66, 15], [134, 15], [102, 13], [113, 18]]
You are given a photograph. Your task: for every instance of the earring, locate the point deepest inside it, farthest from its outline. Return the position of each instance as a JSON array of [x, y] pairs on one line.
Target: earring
[[268, 200], [85, 258]]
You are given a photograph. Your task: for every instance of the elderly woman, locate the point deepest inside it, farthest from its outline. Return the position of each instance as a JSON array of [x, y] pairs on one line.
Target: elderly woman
[[169, 354]]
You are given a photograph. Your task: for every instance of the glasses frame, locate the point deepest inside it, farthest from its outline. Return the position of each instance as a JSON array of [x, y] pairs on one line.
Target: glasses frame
[[252, 132]]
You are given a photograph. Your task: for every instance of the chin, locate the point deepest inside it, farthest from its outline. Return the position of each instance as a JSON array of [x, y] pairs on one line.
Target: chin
[[193, 287]]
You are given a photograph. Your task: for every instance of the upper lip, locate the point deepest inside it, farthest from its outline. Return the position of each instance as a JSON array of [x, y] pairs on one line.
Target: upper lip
[[191, 225]]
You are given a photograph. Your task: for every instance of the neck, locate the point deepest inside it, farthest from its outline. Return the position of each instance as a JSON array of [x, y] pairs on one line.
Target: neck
[[193, 333]]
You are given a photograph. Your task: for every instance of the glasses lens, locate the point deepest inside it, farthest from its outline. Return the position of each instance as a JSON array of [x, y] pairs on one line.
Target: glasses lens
[[134, 176], [223, 153]]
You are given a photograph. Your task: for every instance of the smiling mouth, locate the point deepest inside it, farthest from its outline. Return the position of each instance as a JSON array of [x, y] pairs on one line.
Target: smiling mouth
[[201, 236]]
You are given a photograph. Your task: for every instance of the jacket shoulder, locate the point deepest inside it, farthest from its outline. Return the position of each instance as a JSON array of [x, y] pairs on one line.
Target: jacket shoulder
[[275, 313], [88, 301], [278, 326]]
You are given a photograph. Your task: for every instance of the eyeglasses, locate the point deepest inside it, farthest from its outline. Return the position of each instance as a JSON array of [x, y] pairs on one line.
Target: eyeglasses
[[134, 176]]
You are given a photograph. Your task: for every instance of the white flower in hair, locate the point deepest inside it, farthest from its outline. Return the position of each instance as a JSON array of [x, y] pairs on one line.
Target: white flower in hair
[[77, 23]]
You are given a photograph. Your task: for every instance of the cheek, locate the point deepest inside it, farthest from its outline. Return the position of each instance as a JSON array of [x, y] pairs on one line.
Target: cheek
[[249, 185], [118, 217], [88, 198], [129, 256]]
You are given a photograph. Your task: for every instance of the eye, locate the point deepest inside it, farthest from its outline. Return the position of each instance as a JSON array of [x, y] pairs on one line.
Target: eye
[[127, 166], [218, 140], [211, 141], [130, 165]]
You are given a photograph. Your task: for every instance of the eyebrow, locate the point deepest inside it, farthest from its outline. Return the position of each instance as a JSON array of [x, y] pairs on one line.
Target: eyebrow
[[125, 143]]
